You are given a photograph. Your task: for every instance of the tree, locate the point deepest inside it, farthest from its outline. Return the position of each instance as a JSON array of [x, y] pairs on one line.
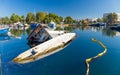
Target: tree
[[40, 16], [4, 20], [0, 21], [15, 18], [46, 19], [104, 19], [7, 20], [51, 17], [85, 22], [68, 20], [56, 19], [30, 17], [12, 18], [61, 19], [99, 20], [112, 18], [22, 18]]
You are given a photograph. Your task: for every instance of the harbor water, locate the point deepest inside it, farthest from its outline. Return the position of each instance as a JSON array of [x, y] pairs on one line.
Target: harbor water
[[70, 60]]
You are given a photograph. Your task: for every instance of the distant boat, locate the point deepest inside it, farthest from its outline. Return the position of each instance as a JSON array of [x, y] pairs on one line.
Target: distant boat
[[115, 27], [4, 31], [97, 24], [52, 25], [18, 25], [33, 26], [50, 42]]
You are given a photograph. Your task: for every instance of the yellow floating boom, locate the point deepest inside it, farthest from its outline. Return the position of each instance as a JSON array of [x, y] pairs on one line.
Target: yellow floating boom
[[88, 60]]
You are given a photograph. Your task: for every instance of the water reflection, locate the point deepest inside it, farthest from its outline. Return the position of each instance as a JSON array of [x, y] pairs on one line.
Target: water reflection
[[4, 37], [49, 65], [105, 30], [19, 32], [66, 28], [16, 33], [108, 32]]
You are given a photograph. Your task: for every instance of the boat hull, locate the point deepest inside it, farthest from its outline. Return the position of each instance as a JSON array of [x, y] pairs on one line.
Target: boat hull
[[97, 25], [4, 31], [115, 28]]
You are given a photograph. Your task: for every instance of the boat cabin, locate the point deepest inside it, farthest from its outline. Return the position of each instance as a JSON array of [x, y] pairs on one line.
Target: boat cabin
[[39, 35]]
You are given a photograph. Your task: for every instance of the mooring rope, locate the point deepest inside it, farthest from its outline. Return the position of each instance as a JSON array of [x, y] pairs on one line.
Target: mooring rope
[[92, 58]]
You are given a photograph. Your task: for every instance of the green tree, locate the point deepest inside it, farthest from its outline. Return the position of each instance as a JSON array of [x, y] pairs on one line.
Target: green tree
[[112, 18], [46, 19], [30, 17], [0, 21], [51, 17], [61, 19], [23, 18], [15, 18], [105, 19], [4, 20], [7, 20], [68, 20], [40, 16], [99, 20], [85, 22], [56, 19]]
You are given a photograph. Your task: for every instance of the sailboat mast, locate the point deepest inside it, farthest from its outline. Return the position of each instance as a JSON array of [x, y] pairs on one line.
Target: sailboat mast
[[35, 14]]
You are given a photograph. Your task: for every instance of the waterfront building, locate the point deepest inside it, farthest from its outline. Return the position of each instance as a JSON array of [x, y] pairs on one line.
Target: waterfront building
[[93, 19]]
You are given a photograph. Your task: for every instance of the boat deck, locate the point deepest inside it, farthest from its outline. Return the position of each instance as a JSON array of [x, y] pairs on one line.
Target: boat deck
[[43, 49]]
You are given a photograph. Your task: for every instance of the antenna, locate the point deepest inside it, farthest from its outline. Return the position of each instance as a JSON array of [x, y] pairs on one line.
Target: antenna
[[35, 14]]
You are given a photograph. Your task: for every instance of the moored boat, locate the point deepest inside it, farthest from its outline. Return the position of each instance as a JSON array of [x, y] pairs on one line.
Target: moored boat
[[4, 31], [98, 24], [115, 27]]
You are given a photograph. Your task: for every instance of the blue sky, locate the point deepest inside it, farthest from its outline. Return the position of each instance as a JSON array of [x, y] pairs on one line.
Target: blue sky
[[76, 8]]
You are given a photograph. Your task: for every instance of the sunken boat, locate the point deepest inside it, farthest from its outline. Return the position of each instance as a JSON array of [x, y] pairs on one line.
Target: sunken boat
[[48, 42]]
